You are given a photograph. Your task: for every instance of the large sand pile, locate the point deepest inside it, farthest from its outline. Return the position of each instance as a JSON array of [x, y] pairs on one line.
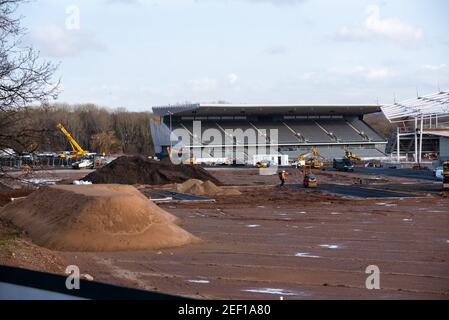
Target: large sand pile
[[206, 188], [95, 218], [140, 170]]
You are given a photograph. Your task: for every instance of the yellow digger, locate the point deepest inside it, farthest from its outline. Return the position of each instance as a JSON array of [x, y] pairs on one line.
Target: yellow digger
[[352, 156], [77, 151], [310, 159]]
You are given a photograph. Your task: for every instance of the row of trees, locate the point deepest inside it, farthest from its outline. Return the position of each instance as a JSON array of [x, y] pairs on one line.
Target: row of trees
[[95, 128]]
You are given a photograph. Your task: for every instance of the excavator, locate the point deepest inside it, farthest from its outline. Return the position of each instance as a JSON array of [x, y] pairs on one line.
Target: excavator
[[77, 151], [351, 156], [311, 159]]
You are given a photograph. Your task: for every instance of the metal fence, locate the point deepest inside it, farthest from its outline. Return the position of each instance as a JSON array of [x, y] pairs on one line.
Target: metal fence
[[44, 162]]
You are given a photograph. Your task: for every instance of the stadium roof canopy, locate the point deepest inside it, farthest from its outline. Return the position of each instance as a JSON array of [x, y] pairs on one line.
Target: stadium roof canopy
[[206, 109], [436, 104]]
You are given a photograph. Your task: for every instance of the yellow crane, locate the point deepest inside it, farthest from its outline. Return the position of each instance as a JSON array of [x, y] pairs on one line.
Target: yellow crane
[[77, 151]]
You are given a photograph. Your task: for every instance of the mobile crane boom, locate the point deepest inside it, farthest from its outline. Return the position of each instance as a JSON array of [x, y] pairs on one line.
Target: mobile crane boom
[[75, 146]]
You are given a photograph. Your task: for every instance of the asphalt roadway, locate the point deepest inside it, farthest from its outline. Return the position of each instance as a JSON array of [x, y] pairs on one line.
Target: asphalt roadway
[[356, 191], [401, 173]]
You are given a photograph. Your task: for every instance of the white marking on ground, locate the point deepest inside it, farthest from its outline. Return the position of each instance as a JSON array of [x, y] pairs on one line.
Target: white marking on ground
[[305, 255], [277, 291], [357, 230], [335, 213], [199, 281], [309, 227], [253, 225], [386, 204], [330, 246], [407, 220]]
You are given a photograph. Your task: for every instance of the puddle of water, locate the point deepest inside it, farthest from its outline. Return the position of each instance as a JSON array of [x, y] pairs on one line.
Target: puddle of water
[[330, 246], [305, 255], [199, 281], [277, 291], [252, 225]]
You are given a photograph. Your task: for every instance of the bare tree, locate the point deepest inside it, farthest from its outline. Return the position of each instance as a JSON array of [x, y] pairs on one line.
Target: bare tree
[[24, 79]]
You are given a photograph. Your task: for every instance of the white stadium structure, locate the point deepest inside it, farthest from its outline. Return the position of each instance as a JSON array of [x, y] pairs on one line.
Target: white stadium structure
[[331, 129]]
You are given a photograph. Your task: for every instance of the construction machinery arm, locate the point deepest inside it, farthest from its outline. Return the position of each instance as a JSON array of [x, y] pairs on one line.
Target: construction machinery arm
[[76, 147]]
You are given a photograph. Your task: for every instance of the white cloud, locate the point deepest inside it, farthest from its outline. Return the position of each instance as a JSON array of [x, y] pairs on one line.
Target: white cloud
[[126, 2], [204, 84], [435, 67], [57, 41], [392, 29], [273, 2], [277, 50], [362, 72], [232, 78]]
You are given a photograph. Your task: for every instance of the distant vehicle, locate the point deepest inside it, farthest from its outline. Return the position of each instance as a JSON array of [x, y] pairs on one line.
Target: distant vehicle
[[310, 181], [263, 164], [343, 164], [372, 165], [46, 154], [438, 173], [83, 164], [26, 155]]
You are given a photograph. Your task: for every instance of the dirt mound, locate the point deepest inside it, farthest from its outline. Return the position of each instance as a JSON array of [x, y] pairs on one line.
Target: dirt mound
[[140, 170], [207, 188], [7, 194], [95, 218]]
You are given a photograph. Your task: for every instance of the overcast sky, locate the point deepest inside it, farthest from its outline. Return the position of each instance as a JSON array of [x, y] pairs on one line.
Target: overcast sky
[[141, 53]]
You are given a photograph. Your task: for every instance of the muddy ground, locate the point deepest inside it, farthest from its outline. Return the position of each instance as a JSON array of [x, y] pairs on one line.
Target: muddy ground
[[271, 242]]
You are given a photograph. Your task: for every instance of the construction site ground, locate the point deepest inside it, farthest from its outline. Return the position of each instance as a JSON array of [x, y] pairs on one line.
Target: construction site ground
[[291, 242]]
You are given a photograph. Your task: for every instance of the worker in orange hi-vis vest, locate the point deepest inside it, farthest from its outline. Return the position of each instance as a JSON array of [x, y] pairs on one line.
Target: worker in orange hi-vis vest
[[282, 177]]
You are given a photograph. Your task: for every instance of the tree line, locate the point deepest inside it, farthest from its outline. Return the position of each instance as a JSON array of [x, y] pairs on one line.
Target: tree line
[[95, 128]]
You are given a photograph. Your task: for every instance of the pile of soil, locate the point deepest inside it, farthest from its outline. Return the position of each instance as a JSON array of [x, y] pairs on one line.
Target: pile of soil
[[7, 194], [95, 218], [140, 170], [205, 188]]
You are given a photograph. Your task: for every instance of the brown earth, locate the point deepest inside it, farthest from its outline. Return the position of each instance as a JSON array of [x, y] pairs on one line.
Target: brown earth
[[299, 244], [140, 170], [95, 218], [207, 188], [7, 194]]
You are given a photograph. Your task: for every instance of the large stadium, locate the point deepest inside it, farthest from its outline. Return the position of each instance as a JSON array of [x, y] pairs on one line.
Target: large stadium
[[284, 129]]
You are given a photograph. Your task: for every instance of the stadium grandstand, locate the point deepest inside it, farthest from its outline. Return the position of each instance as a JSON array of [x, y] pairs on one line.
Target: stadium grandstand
[[291, 129]]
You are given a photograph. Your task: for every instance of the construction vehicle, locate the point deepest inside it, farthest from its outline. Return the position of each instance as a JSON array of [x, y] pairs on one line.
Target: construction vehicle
[[343, 164], [77, 151], [310, 159], [351, 156], [446, 176], [310, 180]]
